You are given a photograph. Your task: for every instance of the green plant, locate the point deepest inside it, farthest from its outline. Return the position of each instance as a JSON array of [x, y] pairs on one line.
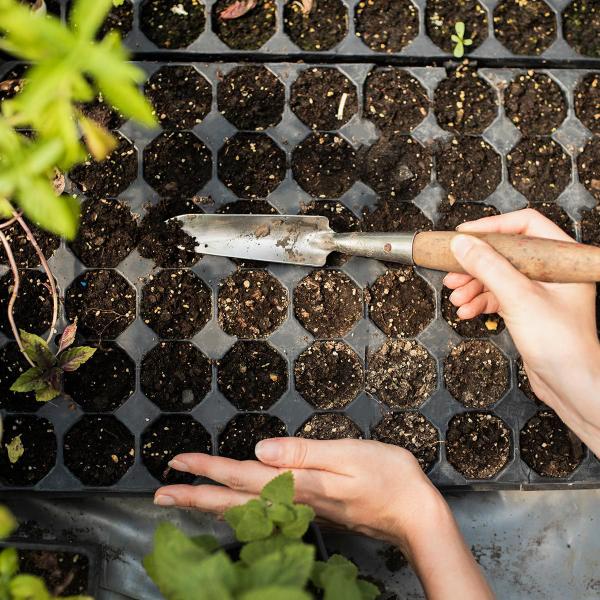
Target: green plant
[[459, 40], [274, 562]]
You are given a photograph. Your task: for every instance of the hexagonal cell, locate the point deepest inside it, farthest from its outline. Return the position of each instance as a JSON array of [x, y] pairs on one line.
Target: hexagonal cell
[[523, 382], [328, 374], [177, 163], [240, 436], [451, 214], [104, 382], [478, 445], [401, 302], [103, 113], [167, 437], [411, 431], [12, 366], [549, 447], [103, 302], [402, 374], [252, 304], [99, 450], [251, 97], [176, 304], [323, 98], [325, 26], [539, 168], [181, 97], [111, 176], [119, 18], [525, 27], [328, 303], [391, 215], [252, 375], [588, 165], [590, 226], [587, 100], [480, 327], [476, 373], [468, 168], [581, 23], [169, 28], [556, 214], [24, 253], [249, 31], [464, 102], [329, 426], [386, 25], [39, 441]]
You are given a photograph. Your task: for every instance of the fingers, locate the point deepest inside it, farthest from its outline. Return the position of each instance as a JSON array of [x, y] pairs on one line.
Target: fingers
[[207, 498], [456, 280], [485, 303], [466, 293]]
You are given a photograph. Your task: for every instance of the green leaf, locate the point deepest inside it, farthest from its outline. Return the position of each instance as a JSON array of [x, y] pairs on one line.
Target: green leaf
[[253, 551], [208, 543], [6, 208], [459, 27], [99, 141], [28, 587], [281, 513], [276, 592], [15, 449], [71, 359], [88, 15], [280, 489], [249, 521], [29, 381], [7, 522], [455, 39], [467, 42], [46, 394], [37, 349], [459, 50], [290, 566], [9, 562], [118, 3], [368, 590], [299, 526], [338, 577]]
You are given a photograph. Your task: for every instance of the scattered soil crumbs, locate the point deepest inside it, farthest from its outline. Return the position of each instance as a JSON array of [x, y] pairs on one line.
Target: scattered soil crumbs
[[177, 163], [248, 32], [479, 327], [402, 374], [581, 24], [392, 215], [243, 432], [452, 214], [322, 28], [103, 383], [401, 302], [119, 18], [99, 450], [549, 447], [557, 215], [181, 97], [539, 168], [523, 382], [251, 304], [110, 177], [12, 82], [464, 102], [590, 226], [587, 101], [478, 445], [103, 302], [252, 375], [476, 373], [411, 431], [588, 165], [176, 376], [102, 112], [24, 253], [12, 365], [393, 557], [324, 165], [167, 437], [172, 23], [525, 26], [329, 426], [386, 25], [328, 375], [176, 304], [39, 443], [65, 573], [251, 97], [328, 303]]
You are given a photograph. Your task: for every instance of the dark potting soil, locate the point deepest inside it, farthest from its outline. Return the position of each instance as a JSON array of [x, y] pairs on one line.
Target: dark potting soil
[[12, 82], [588, 165], [176, 304], [590, 226], [181, 97], [549, 447], [323, 98], [251, 97], [402, 374], [251, 165], [52, 6], [581, 23], [587, 100], [525, 26], [322, 28], [401, 302], [329, 426], [99, 450], [478, 445], [411, 431], [12, 365], [103, 302], [251, 304], [23, 252], [177, 163], [523, 382], [386, 25], [248, 32], [252, 375], [104, 382], [172, 23], [476, 373], [392, 215], [167, 437], [328, 303], [464, 102], [39, 443], [176, 376], [243, 432], [556, 214], [100, 111], [324, 165], [468, 168], [119, 18], [65, 573], [393, 558], [452, 214], [328, 374]]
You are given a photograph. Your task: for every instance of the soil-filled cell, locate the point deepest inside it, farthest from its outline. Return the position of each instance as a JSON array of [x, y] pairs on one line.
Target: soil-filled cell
[[588, 165], [581, 24], [12, 365], [240, 436], [479, 327], [402, 374], [119, 19], [99, 450], [328, 374], [172, 23], [452, 214], [322, 28], [249, 31], [24, 253], [103, 113], [523, 382], [476, 373], [167, 437], [391, 215], [587, 100], [590, 226], [556, 214], [329, 426], [176, 304], [252, 375]]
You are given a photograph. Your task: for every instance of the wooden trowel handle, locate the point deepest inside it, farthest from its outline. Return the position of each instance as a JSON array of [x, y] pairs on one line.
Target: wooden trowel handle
[[539, 259]]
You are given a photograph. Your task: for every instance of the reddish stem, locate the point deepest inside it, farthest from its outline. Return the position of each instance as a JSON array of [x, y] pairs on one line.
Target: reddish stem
[[8, 223]]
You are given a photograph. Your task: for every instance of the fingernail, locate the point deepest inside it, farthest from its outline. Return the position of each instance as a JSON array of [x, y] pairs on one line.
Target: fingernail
[[178, 465], [460, 313], [267, 450], [164, 501], [461, 244]]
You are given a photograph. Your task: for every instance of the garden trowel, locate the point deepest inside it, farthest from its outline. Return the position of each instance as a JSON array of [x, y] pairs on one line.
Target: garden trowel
[[308, 240]]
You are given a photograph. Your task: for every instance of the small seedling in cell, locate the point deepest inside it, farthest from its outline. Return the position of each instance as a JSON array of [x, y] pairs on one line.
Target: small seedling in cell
[[459, 40]]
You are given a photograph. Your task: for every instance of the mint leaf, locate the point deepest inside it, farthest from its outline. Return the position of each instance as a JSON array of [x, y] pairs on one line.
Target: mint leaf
[[338, 577], [46, 394], [29, 381], [15, 449], [249, 521], [299, 526], [281, 513], [37, 349], [68, 336], [368, 590], [71, 359], [9, 562], [280, 489], [7, 522], [290, 566], [254, 551], [276, 592], [28, 587], [208, 543]]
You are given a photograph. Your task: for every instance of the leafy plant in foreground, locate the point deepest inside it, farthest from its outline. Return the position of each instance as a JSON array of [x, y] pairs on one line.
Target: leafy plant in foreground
[[459, 40]]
